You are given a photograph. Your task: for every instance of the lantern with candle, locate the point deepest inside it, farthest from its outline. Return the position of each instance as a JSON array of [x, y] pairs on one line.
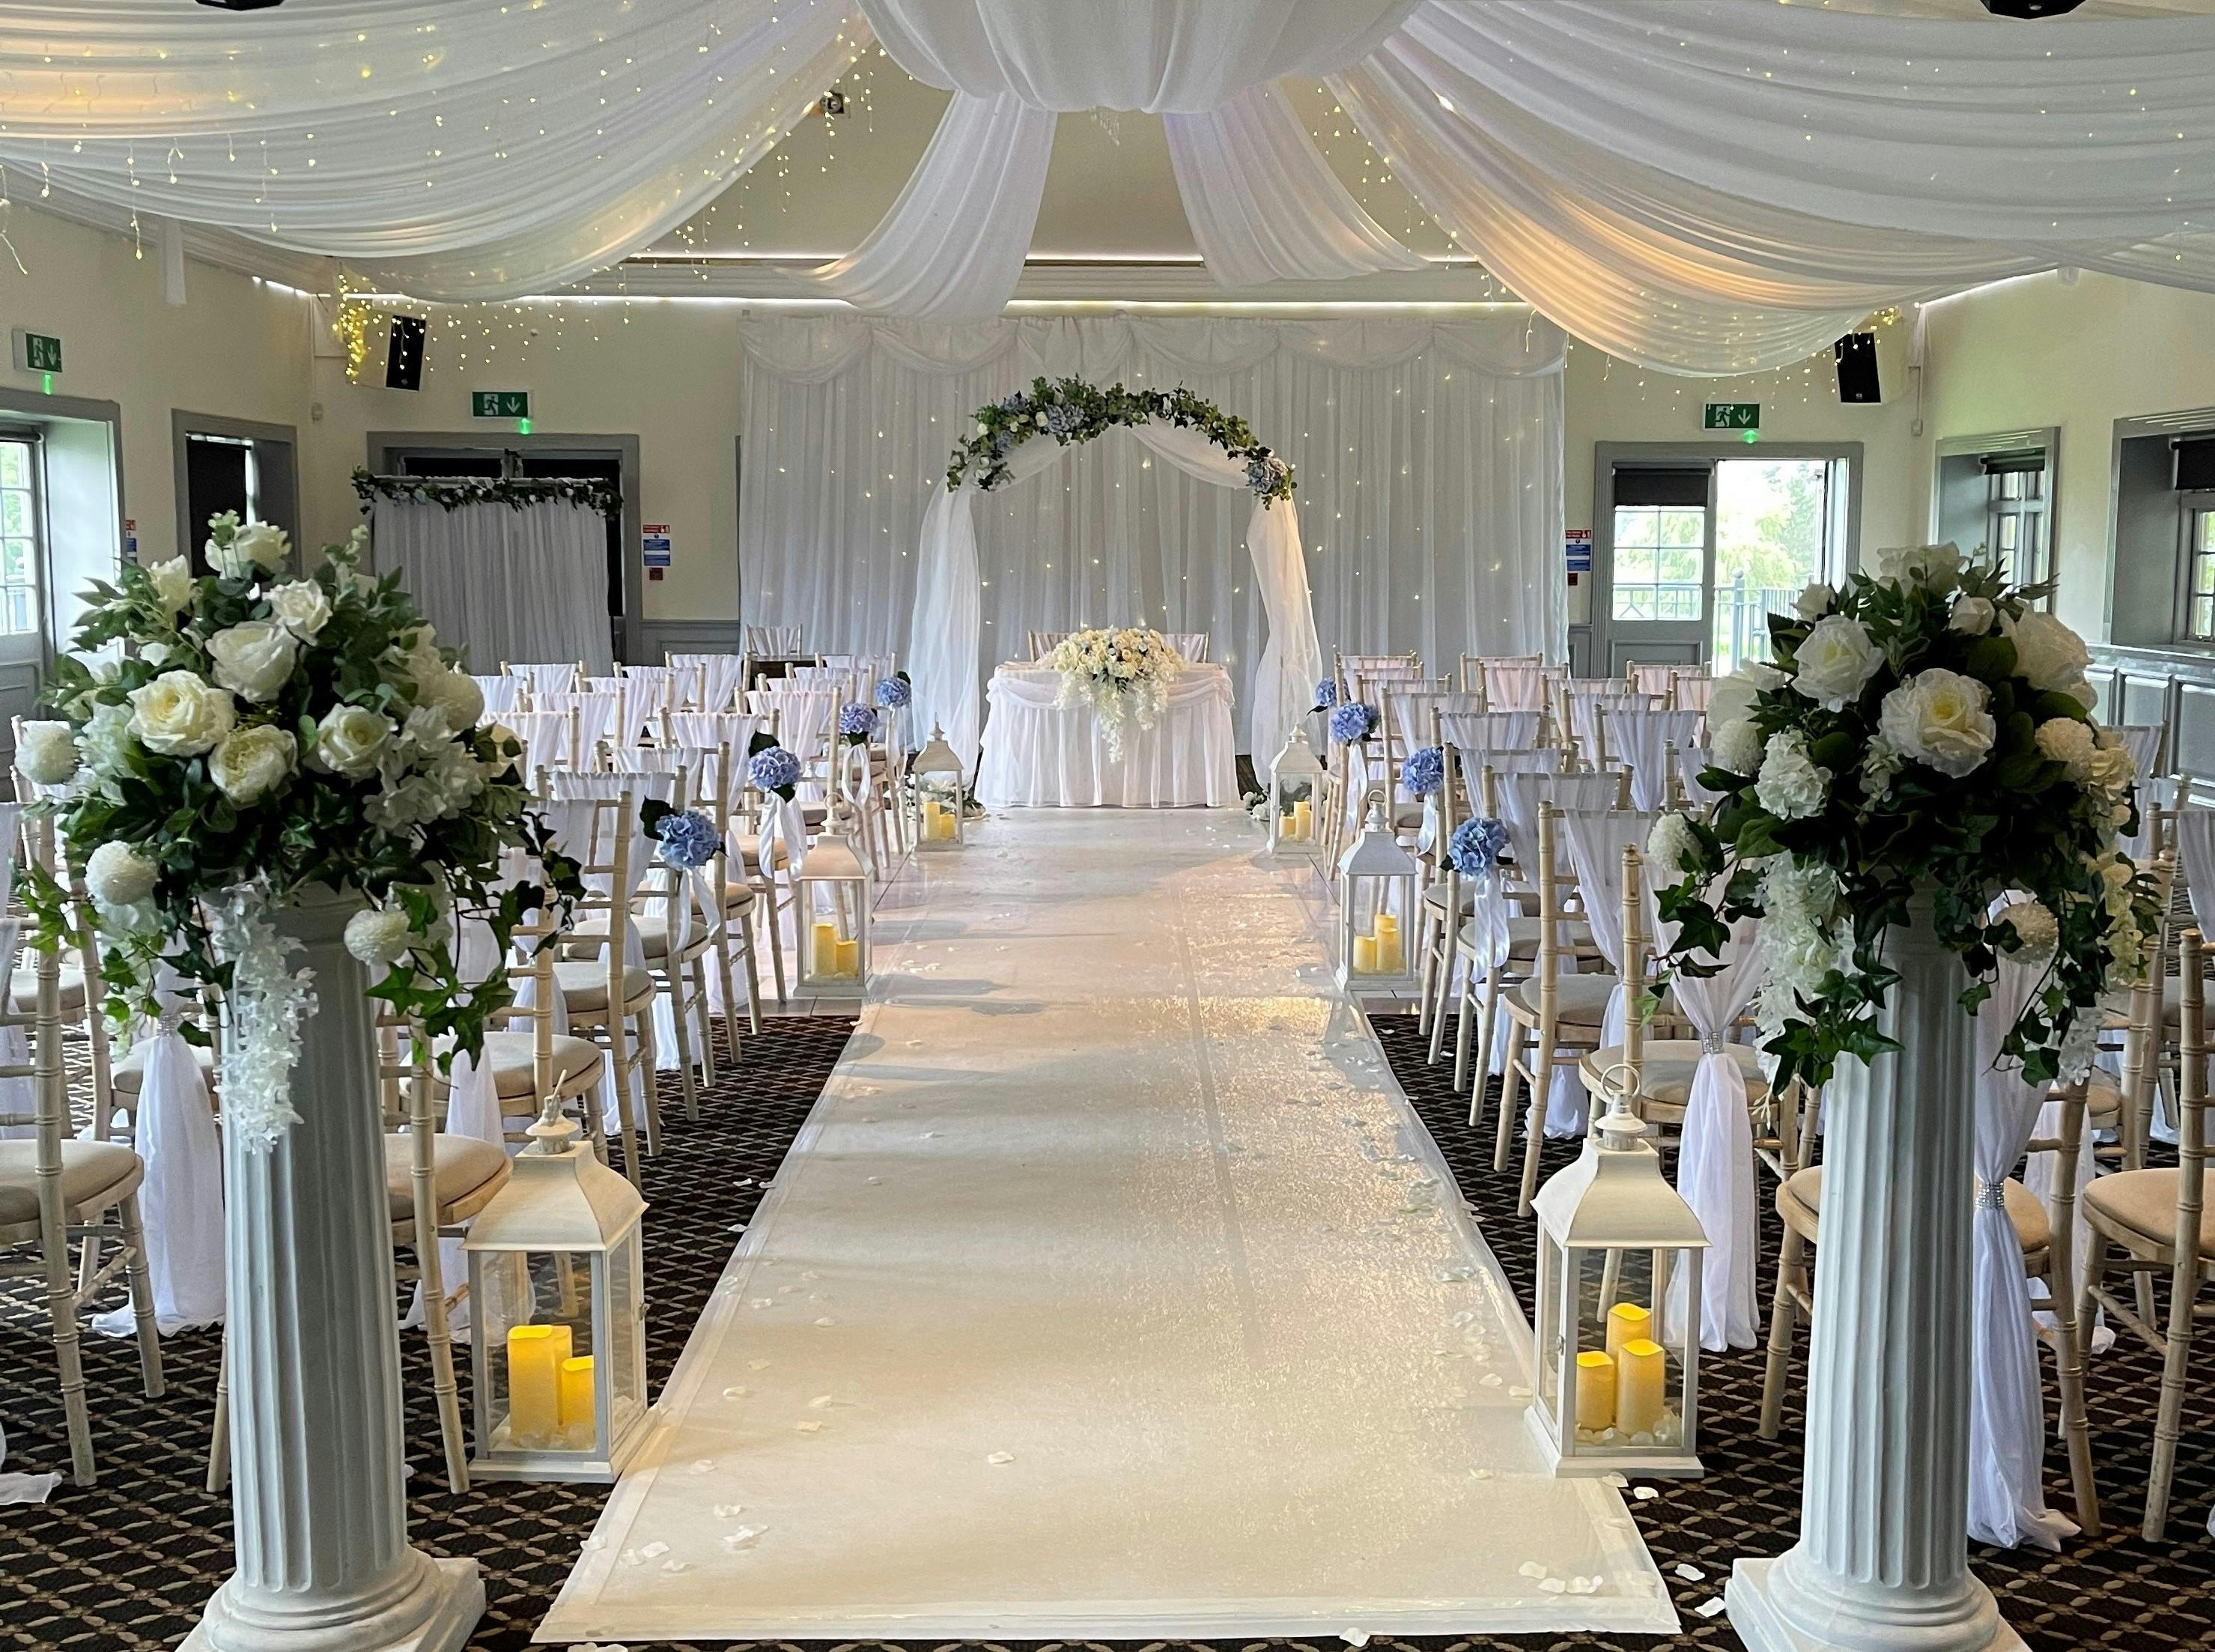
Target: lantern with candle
[[834, 889], [1616, 1390], [1295, 798], [557, 1321], [1376, 899], [937, 783]]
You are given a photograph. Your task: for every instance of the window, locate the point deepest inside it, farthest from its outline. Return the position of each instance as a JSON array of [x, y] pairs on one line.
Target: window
[[1658, 551], [2016, 515], [2200, 569], [19, 536]]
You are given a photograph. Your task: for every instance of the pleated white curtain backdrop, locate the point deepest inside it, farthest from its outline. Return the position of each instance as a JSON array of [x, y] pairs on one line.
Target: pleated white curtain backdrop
[[1429, 464], [524, 585]]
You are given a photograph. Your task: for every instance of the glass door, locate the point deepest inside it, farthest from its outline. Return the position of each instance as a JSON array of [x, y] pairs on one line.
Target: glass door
[[1777, 529], [1660, 552]]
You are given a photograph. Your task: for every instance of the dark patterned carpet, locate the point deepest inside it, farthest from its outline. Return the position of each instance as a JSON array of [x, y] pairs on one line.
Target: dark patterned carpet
[[125, 1565]]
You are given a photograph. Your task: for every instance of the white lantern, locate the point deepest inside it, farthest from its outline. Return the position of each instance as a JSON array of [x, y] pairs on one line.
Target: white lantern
[[1618, 1310], [1376, 907], [936, 779], [834, 889], [1295, 798], [557, 1315]]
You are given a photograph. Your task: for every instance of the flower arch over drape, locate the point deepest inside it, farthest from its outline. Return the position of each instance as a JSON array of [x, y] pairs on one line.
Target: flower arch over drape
[[948, 618], [1429, 457]]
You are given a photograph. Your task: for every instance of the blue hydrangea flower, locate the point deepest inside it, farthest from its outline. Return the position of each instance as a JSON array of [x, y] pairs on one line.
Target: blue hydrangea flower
[[1424, 771], [1475, 846], [688, 839], [1352, 722], [774, 769], [1003, 441], [1062, 417], [1011, 403], [1326, 694], [856, 721], [895, 693]]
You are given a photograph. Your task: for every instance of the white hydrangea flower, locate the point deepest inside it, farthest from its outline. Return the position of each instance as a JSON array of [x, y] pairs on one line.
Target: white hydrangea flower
[[106, 739], [1792, 786], [1880, 762], [1938, 567], [1834, 662], [117, 874], [2068, 742], [1732, 697], [2111, 768], [252, 551], [2035, 926], [1736, 747], [1670, 847], [1800, 915], [1939, 718], [46, 752], [379, 936], [1972, 616]]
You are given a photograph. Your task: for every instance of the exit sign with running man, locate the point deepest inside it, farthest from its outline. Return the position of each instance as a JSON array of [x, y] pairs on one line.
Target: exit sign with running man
[[1733, 415], [499, 405]]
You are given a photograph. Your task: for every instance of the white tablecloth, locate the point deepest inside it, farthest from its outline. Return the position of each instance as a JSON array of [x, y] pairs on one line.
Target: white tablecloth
[[1039, 756]]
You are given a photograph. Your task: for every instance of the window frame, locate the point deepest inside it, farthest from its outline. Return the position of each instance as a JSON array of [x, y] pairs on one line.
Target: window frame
[[1949, 453], [34, 439], [2195, 515]]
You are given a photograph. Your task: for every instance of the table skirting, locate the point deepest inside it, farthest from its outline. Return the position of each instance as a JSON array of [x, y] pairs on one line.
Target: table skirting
[[1038, 755]]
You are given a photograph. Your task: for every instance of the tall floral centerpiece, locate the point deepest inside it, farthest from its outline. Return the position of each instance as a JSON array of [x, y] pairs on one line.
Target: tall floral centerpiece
[[1913, 789], [282, 790], [1124, 676]]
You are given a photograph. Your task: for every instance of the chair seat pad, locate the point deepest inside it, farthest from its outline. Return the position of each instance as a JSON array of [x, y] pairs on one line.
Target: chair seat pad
[[584, 983], [23, 987], [739, 897], [514, 1072], [90, 1171], [1574, 935], [2032, 1229], [129, 1072], [750, 850], [460, 1166], [1665, 1066], [1578, 1000], [1408, 817], [2145, 1203]]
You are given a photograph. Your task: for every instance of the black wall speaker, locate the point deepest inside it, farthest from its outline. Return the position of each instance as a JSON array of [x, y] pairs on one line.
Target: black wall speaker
[[403, 358], [1857, 380]]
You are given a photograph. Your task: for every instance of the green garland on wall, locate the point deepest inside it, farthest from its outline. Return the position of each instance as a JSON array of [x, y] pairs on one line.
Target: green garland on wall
[[1070, 410], [514, 492]]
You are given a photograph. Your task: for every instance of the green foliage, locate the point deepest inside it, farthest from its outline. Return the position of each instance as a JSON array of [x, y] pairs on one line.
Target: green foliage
[[1070, 410], [451, 493]]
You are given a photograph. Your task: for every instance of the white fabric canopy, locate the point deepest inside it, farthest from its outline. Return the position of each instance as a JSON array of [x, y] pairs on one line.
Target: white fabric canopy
[[1038, 754], [506, 584], [1429, 505]]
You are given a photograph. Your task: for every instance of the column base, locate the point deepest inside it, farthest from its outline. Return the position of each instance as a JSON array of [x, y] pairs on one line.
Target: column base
[[441, 1623], [1772, 1612]]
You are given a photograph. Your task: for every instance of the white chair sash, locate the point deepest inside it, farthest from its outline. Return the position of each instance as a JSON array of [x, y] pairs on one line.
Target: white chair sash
[[1514, 686], [720, 677], [499, 693], [1483, 732], [1642, 739], [547, 680]]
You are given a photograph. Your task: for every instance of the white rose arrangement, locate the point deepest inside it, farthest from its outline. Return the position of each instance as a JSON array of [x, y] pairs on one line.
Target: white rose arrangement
[[1123, 675], [265, 735], [1925, 729]]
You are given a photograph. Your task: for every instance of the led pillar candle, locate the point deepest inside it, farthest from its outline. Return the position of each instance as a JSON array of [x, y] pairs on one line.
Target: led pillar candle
[[822, 956], [535, 1354], [1388, 943], [848, 958], [1596, 1381], [578, 1409], [1364, 954], [1641, 1381], [1628, 1323]]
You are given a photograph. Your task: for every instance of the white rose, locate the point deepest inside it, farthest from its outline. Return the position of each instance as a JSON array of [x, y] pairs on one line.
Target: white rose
[[301, 608], [1972, 616], [454, 692], [1669, 847], [2034, 926], [180, 716], [252, 551], [349, 740], [247, 764], [2110, 768], [1814, 601], [2047, 651], [377, 935], [1732, 697], [116, 875], [983, 429], [46, 752], [1939, 718], [255, 657], [2066, 741], [173, 583], [1736, 747], [1834, 662], [1791, 786], [1938, 567]]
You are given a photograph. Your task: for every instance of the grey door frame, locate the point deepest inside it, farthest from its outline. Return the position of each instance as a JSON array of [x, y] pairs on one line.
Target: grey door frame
[[185, 424], [630, 629], [1607, 455]]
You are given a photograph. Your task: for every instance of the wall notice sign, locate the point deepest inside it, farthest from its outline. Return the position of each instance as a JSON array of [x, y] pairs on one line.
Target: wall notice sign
[[1733, 416], [654, 538], [1580, 551], [130, 538], [499, 405], [37, 352]]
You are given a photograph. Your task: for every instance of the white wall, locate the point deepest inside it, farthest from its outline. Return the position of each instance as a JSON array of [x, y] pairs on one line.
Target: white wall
[[238, 348]]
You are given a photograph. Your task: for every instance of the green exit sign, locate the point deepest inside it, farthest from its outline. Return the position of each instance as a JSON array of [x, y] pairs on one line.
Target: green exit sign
[[499, 405], [1733, 415], [37, 352]]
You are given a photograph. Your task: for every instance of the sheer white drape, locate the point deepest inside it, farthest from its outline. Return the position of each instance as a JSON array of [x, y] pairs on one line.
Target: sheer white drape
[[504, 583], [1429, 503]]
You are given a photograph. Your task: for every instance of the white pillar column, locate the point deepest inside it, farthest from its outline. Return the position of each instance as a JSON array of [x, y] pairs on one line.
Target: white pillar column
[[1882, 1561], [324, 1564]]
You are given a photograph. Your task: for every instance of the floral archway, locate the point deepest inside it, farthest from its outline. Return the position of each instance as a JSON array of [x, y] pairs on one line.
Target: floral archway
[[1192, 433]]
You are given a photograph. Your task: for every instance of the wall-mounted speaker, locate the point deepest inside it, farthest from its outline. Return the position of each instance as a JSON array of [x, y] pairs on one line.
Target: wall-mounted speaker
[[1857, 378], [403, 356]]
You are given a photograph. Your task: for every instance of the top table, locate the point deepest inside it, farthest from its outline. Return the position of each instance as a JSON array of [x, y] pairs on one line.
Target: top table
[[1039, 755]]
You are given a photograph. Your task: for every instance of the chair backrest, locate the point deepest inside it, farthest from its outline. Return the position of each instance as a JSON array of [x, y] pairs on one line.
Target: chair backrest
[[720, 675], [804, 717], [1581, 705], [1042, 643], [1513, 685], [1520, 796], [1404, 715], [1596, 839], [774, 641], [1645, 741], [863, 671], [554, 678], [501, 694], [1690, 688], [595, 713], [1476, 733], [2146, 743], [1193, 645], [1642, 678]]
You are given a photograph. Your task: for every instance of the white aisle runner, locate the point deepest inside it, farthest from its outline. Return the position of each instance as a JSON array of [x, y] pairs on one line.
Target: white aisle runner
[[1113, 1290]]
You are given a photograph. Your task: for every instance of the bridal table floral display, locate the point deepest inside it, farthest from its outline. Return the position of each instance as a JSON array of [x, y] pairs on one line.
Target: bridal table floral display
[[1913, 791], [1123, 675]]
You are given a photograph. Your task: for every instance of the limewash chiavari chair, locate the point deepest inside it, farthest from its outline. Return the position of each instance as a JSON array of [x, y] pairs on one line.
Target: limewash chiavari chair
[[2155, 1221], [637, 702], [751, 857], [1581, 708], [1650, 680], [596, 714], [502, 694], [682, 931], [806, 719], [1405, 724], [541, 1059], [1193, 645], [774, 641], [55, 1187], [1042, 643], [866, 671], [1690, 688], [1515, 682], [1644, 741], [545, 679], [720, 675], [606, 998], [551, 740]]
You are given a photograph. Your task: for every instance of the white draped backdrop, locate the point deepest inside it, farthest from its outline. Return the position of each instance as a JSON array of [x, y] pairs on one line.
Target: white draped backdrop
[[1429, 462], [520, 584]]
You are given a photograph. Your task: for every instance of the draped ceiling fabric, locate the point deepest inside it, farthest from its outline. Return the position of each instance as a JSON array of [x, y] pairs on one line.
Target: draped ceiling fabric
[[1428, 456], [1699, 186]]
